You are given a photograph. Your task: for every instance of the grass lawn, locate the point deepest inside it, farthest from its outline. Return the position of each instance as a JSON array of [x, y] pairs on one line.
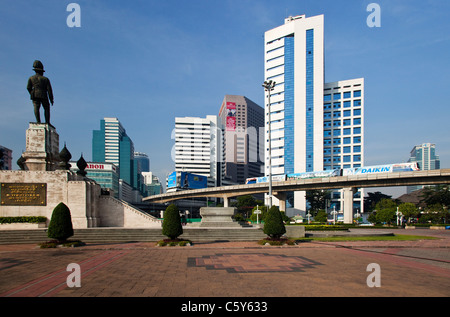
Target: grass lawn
[[397, 237]]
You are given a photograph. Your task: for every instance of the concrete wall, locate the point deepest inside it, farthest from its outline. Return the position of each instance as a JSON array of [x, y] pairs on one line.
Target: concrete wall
[[87, 206], [116, 213], [57, 186]]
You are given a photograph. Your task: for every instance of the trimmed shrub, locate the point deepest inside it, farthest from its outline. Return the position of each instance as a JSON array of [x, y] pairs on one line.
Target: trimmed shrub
[[273, 225], [171, 226], [60, 227]]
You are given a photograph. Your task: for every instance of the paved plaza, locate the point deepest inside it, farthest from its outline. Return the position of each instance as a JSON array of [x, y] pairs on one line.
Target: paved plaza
[[232, 269]]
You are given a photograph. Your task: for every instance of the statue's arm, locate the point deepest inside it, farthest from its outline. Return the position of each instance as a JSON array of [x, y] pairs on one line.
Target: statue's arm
[[29, 85], [50, 91]]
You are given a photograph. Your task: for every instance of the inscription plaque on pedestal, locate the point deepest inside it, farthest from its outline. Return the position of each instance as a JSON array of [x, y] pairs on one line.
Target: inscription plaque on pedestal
[[23, 194]]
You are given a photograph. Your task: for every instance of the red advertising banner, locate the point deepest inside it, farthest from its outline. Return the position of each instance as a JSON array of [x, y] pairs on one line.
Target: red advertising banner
[[231, 116]]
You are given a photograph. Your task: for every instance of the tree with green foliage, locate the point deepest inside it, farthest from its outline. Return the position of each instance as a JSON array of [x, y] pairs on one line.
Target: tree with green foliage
[[385, 210], [171, 226], [321, 216], [439, 194], [372, 218], [262, 216], [273, 225], [60, 226], [436, 213], [245, 204], [372, 199], [408, 210], [317, 199]]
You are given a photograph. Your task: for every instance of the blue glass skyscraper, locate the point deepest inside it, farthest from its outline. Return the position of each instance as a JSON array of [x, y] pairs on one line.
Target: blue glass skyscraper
[[111, 144]]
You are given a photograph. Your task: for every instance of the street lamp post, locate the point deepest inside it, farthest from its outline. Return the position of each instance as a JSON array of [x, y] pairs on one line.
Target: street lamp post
[[269, 86], [334, 212]]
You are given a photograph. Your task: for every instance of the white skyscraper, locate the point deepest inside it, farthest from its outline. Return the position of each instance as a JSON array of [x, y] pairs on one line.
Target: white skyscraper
[[199, 147], [114, 132], [308, 131], [294, 59]]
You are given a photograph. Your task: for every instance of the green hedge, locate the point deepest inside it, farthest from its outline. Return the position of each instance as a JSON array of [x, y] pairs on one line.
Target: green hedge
[[29, 219], [324, 227]]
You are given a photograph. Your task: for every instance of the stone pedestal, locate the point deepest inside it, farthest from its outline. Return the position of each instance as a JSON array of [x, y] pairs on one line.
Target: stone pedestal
[[218, 217], [42, 148]]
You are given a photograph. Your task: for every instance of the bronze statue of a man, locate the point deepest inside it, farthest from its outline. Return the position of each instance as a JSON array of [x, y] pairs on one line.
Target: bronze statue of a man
[[40, 91]]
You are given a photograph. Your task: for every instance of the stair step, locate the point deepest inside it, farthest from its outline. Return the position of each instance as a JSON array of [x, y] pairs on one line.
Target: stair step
[[124, 235]]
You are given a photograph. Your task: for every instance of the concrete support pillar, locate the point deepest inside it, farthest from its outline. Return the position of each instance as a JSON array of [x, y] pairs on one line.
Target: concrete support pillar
[[225, 201], [282, 200], [348, 204]]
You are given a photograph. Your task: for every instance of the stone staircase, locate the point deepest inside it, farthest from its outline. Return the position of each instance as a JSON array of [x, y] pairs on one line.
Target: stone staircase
[[105, 235]]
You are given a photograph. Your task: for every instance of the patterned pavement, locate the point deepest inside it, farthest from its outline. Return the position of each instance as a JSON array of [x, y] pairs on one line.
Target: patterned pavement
[[231, 269]]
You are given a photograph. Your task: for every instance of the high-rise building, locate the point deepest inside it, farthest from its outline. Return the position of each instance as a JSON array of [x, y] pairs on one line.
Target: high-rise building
[[152, 184], [425, 155], [6, 158], [105, 174], [243, 120], [307, 116], [199, 147], [294, 59], [343, 124], [111, 144], [143, 162]]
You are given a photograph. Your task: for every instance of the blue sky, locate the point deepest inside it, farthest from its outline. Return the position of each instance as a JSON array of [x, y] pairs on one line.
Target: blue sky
[[147, 62]]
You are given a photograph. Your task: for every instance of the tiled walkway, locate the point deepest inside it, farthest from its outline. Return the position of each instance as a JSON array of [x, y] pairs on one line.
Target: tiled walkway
[[231, 269]]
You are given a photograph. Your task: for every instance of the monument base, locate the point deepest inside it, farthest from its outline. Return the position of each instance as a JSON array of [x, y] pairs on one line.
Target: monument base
[[42, 148], [218, 217]]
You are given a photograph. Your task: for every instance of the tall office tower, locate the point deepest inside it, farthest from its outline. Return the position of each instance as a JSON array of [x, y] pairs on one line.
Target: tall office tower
[[141, 165], [314, 125], [152, 184], [5, 158], [143, 161], [244, 132], [199, 147], [343, 124], [294, 59], [111, 144], [105, 174], [425, 155]]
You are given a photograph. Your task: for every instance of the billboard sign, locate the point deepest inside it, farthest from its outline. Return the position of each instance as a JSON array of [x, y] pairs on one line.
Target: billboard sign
[[193, 181], [186, 180], [231, 116], [388, 168], [318, 174], [172, 180]]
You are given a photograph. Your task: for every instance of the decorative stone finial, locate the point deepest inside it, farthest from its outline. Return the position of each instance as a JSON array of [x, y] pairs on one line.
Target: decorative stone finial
[[81, 163], [64, 157]]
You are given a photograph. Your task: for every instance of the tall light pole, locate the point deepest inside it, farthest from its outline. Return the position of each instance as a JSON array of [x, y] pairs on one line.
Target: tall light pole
[[269, 86]]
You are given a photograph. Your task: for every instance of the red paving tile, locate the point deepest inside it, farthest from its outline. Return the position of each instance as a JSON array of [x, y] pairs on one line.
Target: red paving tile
[[51, 284], [230, 269]]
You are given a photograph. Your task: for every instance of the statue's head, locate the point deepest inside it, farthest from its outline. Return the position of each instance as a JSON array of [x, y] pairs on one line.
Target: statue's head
[[38, 67]]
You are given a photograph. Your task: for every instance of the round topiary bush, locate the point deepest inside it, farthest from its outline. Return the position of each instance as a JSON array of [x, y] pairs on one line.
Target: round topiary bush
[[274, 226], [60, 227], [171, 226]]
